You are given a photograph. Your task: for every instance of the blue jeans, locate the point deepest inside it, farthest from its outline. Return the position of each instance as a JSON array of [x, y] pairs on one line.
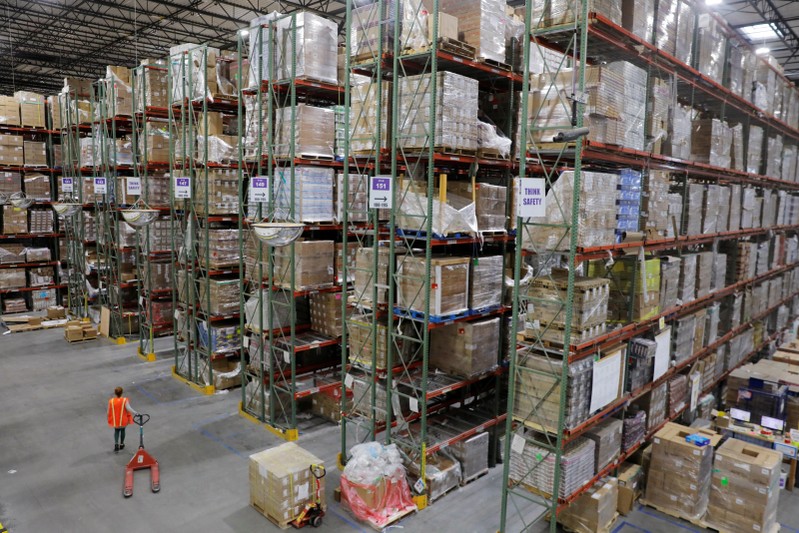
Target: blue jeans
[[119, 435]]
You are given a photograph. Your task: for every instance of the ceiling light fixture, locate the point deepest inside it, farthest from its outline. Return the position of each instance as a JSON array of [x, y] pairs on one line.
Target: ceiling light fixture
[[763, 50], [760, 32], [244, 32], [713, 2]]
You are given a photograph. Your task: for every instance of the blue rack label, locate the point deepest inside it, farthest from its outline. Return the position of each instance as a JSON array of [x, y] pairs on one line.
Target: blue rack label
[[100, 186], [182, 188], [380, 192], [67, 184], [133, 186], [259, 189], [531, 199]]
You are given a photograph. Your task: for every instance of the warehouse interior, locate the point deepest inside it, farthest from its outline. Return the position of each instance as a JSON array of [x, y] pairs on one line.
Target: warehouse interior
[[478, 265]]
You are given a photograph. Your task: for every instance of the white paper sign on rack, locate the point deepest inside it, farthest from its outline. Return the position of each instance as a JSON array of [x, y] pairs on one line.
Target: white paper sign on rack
[[531, 198], [606, 380], [133, 186], [662, 352]]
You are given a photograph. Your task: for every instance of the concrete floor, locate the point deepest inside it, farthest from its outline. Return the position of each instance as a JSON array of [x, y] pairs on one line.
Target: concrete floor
[[58, 473]]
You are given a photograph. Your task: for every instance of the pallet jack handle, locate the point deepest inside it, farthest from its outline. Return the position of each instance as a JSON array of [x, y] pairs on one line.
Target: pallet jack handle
[[140, 419]]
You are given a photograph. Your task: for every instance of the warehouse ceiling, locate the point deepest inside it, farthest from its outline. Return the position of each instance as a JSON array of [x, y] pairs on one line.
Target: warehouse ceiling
[[42, 41], [767, 24]]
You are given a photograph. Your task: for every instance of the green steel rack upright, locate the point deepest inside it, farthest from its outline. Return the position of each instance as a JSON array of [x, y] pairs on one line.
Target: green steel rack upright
[[155, 255], [283, 361]]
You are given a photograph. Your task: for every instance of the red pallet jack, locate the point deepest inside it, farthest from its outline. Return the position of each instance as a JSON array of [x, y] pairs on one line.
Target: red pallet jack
[[140, 461], [313, 512]]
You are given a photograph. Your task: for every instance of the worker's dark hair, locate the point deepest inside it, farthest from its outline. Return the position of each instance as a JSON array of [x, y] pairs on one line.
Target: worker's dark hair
[[118, 392]]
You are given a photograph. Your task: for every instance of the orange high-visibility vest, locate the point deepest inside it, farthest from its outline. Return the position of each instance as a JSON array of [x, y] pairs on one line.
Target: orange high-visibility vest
[[118, 416]]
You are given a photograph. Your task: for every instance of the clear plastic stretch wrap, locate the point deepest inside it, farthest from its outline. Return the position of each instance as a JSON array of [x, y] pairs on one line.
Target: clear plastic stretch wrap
[[223, 249], [312, 262], [670, 268], [598, 195], [35, 154], [118, 93], [774, 156], [629, 202], [364, 108], [12, 253], [735, 67], [223, 294], [456, 112], [457, 215], [694, 208], [638, 17], [9, 111], [442, 471], [704, 273], [11, 182], [556, 12], [632, 114], [711, 46], [634, 430], [485, 282], [357, 201], [365, 281], [261, 49], [193, 71], [32, 109], [256, 128], [754, 151], [535, 466], [711, 142], [594, 510], [257, 311], [744, 491], [539, 390], [37, 186], [12, 278], [40, 276], [449, 281], [723, 215], [688, 268], [313, 130], [282, 483], [738, 162], [158, 276], [658, 118], [313, 195], [464, 350], [369, 22], [316, 42], [217, 338], [640, 363], [373, 484], [765, 87], [789, 162], [482, 24], [154, 143], [152, 90], [683, 48], [217, 148], [679, 143], [490, 203], [11, 150], [634, 288], [607, 437], [218, 193], [545, 310], [679, 473], [748, 206], [655, 204], [654, 404], [490, 139], [682, 339], [34, 255]]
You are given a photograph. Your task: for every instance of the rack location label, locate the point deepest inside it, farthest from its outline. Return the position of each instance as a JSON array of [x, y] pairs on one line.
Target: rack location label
[[182, 188], [67, 184], [100, 186], [381, 193], [259, 189], [531, 198]]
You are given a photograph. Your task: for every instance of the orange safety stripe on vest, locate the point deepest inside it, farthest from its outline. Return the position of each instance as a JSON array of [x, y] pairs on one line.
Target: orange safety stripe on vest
[[117, 412]]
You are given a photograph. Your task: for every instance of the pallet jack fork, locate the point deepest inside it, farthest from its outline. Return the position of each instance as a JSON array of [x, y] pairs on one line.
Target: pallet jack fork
[[141, 460]]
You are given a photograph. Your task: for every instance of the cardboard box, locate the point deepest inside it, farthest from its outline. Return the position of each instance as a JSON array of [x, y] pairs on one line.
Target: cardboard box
[[447, 27], [449, 285], [227, 374], [593, 511], [31, 109], [11, 150], [9, 111], [281, 482], [15, 220], [73, 333], [313, 265], [744, 492], [35, 154], [631, 485], [465, 349]]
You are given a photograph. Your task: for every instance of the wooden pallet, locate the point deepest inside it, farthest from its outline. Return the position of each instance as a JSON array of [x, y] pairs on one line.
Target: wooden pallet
[[495, 64], [478, 475], [80, 340], [604, 529], [383, 524], [492, 154], [698, 522], [284, 524]]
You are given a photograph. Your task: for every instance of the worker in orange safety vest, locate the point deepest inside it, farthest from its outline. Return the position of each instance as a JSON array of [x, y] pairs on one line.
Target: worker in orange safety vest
[[120, 414]]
